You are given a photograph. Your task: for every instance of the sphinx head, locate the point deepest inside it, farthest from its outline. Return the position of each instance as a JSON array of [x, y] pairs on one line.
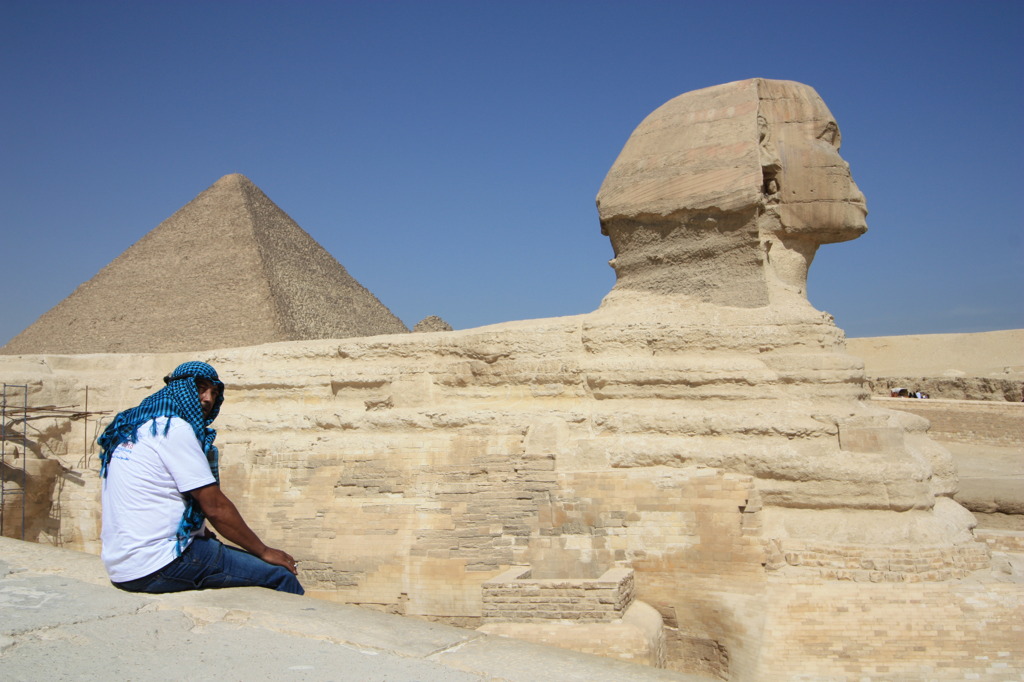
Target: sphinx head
[[724, 194]]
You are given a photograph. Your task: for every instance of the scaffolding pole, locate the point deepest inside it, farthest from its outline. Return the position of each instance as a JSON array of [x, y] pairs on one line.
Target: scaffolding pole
[[9, 475]]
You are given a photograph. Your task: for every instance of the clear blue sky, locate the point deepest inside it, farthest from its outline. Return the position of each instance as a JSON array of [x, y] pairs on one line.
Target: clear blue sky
[[448, 153]]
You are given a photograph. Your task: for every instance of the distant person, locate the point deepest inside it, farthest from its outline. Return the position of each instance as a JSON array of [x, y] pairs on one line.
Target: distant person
[[161, 482]]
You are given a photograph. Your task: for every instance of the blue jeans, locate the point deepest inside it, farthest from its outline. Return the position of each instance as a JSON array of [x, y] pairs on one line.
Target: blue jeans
[[207, 564]]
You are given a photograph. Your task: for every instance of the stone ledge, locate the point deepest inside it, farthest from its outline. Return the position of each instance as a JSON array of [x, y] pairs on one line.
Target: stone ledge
[[60, 614], [895, 564], [1011, 541], [638, 637], [513, 596]]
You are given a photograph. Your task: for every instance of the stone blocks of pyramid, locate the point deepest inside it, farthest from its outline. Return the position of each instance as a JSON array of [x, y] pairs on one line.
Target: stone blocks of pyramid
[[228, 269]]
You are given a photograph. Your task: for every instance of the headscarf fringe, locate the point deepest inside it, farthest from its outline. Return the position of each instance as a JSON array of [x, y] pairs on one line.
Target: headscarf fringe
[[179, 398]]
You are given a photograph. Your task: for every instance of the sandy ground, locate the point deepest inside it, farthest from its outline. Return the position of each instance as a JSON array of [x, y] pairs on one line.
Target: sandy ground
[[991, 477], [984, 354]]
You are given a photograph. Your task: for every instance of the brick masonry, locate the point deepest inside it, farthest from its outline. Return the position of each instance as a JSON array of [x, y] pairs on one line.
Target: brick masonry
[[514, 596], [1002, 540], [886, 564], [967, 421], [880, 632]]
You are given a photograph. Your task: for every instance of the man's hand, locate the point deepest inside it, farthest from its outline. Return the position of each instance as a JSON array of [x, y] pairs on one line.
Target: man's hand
[[280, 558], [224, 516]]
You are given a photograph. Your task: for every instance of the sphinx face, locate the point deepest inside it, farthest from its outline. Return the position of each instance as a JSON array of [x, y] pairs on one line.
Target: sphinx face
[[817, 197], [724, 195]]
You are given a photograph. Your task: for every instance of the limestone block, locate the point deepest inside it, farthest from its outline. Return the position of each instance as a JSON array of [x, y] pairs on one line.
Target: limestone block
[[638, 636]]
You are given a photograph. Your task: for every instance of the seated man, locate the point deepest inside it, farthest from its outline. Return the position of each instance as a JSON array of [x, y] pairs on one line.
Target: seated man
[[160, 483]]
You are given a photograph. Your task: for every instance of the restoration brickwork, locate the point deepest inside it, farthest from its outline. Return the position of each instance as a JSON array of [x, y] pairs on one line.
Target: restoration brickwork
[[968, 421], [515, 596]]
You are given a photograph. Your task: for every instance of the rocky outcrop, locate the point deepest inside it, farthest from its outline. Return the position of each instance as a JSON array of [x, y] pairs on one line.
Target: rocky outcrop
[[974, 410], [980, 366], [949, 388]]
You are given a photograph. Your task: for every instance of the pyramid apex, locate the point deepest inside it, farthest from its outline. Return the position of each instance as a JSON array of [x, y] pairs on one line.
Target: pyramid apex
[[233, 178]]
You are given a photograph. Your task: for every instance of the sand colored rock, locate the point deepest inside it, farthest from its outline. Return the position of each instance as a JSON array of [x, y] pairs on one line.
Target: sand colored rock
[[716, 440], [228, 269], [982, 366], [975, 384]]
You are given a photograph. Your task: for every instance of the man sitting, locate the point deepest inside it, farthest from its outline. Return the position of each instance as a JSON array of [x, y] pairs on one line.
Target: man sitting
[[160, 484]]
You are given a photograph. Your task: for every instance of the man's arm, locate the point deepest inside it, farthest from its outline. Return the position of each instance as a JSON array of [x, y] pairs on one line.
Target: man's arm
[[224, 516]]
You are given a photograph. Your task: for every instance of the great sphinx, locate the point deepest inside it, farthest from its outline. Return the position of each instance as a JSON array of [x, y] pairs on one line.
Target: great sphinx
[[704, 427], [715, 209]]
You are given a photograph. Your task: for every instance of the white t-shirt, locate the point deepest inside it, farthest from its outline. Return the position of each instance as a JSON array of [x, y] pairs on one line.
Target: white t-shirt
[[142, 497]]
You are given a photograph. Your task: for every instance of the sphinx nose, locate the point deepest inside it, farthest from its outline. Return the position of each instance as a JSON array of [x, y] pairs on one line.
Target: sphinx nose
[[857, 197]]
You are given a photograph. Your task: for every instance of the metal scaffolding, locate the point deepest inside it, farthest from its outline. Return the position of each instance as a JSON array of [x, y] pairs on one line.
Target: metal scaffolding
[[13, 430], [15, 447]]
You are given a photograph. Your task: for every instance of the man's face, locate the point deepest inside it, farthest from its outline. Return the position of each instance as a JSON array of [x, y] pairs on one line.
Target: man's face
[[208, 394]]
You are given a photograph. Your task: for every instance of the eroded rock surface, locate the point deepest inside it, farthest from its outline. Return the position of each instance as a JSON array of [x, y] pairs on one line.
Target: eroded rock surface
[[724, 195]]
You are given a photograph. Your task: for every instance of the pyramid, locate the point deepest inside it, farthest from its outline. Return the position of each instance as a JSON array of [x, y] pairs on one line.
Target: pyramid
[[228, 269]]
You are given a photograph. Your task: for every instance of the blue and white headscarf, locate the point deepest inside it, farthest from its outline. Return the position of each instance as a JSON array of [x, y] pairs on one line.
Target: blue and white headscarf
[[179, 398]]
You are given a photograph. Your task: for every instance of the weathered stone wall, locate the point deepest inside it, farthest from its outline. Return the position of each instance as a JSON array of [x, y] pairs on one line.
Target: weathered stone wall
[[967, 421], [950, 388], [1002, 540], [406, 472], [890, 564]]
